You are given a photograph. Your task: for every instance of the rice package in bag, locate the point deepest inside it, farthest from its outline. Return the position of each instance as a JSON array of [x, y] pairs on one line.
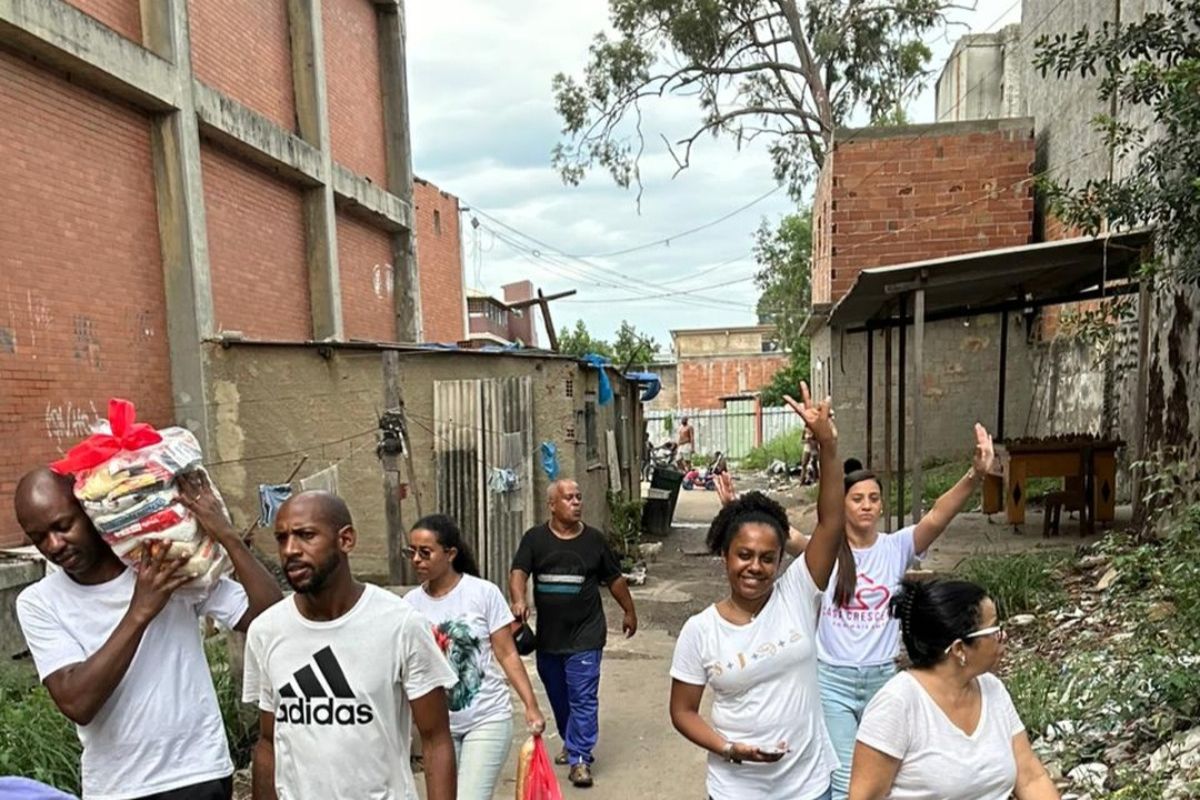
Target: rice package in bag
[[126, 479]]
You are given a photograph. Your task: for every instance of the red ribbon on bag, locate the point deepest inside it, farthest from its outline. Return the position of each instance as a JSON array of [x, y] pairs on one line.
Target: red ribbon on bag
[[100, 447]]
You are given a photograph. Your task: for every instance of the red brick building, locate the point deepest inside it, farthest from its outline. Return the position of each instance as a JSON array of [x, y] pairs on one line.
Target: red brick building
[[176, 170], [712, 363], [899, 195]]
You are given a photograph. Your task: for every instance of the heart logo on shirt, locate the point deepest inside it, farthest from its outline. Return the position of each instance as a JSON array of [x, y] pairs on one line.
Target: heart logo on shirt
[[869, 595]]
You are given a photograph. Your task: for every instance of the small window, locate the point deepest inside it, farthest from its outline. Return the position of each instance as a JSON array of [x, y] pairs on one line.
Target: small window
[[569, 388], [437, 222], [570, 433]]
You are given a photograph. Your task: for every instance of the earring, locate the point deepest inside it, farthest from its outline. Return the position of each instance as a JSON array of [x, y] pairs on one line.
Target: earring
[[962, 661]]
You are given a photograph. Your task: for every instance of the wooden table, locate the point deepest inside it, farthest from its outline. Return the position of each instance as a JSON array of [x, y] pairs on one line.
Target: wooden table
[[1086, 466]]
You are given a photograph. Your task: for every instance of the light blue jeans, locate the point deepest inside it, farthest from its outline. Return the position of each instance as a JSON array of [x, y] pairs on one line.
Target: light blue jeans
[[845, 692], [480, 754]]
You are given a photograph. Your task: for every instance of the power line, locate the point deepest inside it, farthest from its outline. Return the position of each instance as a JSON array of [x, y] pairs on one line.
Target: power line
[[668, 239]]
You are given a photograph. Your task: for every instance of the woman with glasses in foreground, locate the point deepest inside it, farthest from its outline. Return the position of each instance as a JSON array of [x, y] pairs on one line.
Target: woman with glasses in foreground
[[946, 727], [471, 623]]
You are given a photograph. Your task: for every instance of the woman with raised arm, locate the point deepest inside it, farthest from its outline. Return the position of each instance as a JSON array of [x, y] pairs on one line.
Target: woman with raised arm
[[756, 649], [857, 641], [946, 727]]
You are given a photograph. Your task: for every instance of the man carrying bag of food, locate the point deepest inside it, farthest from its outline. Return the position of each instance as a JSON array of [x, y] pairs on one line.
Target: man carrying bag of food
[[117, 644]]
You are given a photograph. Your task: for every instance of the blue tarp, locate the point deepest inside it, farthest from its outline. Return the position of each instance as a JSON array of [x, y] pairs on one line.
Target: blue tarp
[[600, 362], [651, 380]]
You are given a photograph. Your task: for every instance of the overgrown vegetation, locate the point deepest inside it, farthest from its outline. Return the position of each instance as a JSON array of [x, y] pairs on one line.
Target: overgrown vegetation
[[38, 742], [1019, 582], [1110, 671], [788, 448]]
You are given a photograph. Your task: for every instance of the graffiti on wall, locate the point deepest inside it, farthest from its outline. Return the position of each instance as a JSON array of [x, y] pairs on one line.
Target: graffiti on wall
[[67, 423], [383, 280]]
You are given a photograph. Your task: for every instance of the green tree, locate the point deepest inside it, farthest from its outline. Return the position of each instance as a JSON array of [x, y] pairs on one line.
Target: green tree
[[764, 68], [632, 347], [579, 342], [1152, 65], [784, 255]]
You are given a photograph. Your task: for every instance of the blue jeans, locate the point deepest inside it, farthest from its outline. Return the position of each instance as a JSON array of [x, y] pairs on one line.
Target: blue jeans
[[572, 682], [480, 754], [845, 692]]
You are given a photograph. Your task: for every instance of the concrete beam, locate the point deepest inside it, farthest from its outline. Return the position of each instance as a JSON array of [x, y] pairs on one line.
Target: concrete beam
[[256, 138], [393, 65], [182, 225], [357, 195], [320, 218], [60, 35]]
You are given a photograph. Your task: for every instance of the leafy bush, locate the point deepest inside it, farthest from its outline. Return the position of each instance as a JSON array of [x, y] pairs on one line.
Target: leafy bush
[[1019, 582], [625, 528], [787, 448], [241, 720]]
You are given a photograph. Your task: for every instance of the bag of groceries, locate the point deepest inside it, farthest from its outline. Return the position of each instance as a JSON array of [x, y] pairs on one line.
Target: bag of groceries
[[126, 479], [535, 773]]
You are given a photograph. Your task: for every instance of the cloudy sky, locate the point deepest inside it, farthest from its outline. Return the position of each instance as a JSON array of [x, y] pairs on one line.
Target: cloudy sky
[[484, 125]]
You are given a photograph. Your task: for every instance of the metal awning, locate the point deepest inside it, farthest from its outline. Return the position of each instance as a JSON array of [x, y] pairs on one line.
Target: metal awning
[[1012, 279], [990, 281]]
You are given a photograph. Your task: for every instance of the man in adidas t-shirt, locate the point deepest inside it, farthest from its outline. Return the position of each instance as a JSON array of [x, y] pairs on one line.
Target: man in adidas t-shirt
[[340, 671]]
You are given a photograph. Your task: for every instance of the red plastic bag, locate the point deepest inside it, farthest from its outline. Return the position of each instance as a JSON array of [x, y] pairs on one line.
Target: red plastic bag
[[535, 773]]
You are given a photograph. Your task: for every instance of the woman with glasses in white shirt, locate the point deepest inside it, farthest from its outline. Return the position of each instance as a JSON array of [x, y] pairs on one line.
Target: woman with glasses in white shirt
[[946, 727]]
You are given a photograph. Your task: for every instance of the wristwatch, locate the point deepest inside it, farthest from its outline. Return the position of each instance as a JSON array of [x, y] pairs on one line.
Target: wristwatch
[[727, 752]]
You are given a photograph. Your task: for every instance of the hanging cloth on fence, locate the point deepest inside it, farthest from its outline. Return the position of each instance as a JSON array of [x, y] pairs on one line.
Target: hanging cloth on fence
[[503, 481], [325, 480]]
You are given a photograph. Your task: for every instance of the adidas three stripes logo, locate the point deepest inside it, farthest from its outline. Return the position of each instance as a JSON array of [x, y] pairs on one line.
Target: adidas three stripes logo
[[324, 700]]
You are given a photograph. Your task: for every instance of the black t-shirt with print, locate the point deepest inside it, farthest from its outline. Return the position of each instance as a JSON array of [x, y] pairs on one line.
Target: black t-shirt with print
[[567, 574]]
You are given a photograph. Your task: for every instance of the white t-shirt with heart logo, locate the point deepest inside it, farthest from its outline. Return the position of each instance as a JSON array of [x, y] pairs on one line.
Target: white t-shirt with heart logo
[[863, 633]]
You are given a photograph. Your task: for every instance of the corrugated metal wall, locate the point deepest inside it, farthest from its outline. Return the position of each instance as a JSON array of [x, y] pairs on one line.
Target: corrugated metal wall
[[483, 442]]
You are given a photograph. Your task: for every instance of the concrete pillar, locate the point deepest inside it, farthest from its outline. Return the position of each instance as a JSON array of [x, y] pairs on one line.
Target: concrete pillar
[[320, 218], [393, 64], [182, 229]]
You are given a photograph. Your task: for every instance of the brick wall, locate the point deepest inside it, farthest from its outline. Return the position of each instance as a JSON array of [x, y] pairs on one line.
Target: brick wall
[[242, 47], [256, 249], [81, 286], [922, 192], [365, 264], [123, 16], [353, 83], [439, 259], [702, 381]]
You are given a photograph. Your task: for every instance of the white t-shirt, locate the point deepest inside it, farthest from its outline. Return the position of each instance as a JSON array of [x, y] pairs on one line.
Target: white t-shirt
[[764, 681], [161, 729], [340, 691], [863, 634], [463, 621], [938, 760]]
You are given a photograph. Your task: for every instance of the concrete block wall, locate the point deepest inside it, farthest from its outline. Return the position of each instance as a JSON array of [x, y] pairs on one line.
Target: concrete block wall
[[242, 48], [896, 195], [958, 387], [439, 258], [703, 381], [81, 285]]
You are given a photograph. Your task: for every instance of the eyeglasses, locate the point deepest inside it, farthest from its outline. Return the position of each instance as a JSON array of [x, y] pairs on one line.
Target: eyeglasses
[[419, 553], [997, 632]]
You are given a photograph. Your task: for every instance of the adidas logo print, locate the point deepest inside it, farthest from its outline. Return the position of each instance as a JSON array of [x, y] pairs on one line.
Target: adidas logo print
[[317, 703]]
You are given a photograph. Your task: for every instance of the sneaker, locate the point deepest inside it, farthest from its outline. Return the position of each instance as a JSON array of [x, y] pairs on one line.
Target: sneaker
[[562, 758], [581, 775]]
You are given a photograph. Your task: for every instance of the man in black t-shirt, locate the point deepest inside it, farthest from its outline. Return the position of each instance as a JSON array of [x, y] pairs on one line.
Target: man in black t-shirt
[[568, 561]]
